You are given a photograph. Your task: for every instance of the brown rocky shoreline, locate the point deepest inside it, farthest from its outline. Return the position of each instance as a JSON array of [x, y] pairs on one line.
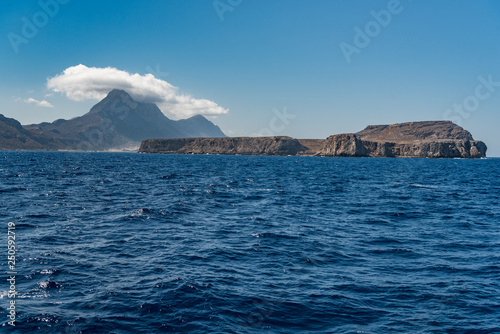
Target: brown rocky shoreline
[[429, 139]]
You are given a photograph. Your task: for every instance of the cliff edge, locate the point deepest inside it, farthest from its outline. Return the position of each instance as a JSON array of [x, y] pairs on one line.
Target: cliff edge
[[429, 139], [278, 145]]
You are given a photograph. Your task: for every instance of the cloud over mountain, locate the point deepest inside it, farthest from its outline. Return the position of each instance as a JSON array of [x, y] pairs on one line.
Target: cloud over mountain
[[80, 83]]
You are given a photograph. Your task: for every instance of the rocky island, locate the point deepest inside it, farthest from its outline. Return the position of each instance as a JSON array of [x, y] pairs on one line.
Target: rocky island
[[429, 139]]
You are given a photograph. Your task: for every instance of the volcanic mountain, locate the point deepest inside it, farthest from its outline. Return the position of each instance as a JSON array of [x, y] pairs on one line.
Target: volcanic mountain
[[117, 122]]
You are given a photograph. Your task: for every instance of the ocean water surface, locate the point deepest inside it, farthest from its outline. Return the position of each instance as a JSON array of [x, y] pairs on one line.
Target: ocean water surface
[[146, 243]]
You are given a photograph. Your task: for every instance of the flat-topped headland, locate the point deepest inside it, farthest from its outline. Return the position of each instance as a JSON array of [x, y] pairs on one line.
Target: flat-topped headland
[[429, 139]]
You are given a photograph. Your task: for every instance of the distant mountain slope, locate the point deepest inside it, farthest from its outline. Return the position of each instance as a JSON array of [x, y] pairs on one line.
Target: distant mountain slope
[[14, 137], [198, 126], [118, 121]]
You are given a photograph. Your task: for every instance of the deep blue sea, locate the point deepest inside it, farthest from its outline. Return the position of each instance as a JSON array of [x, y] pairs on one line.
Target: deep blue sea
[[146, 243]]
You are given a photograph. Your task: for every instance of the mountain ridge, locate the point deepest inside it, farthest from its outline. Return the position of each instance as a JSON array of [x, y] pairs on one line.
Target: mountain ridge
[[116, 122]]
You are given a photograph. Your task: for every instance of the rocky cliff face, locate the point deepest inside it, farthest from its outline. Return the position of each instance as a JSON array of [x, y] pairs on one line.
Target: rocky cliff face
[[351, 145], [431, 139], [343, 145], [235, 145], [416, 139]]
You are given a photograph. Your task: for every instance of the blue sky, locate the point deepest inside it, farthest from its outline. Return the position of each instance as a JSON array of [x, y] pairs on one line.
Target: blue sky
[[275, 67]]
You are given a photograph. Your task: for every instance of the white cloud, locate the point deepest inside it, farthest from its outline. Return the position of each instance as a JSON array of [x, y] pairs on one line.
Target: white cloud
[[92, 83], [42, 103]]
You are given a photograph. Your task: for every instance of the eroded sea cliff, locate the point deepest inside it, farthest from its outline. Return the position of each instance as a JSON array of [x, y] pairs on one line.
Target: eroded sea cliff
[[430, 139]]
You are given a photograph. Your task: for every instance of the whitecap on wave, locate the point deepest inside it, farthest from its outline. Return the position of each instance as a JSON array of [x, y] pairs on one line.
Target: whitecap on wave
[[422, 186]]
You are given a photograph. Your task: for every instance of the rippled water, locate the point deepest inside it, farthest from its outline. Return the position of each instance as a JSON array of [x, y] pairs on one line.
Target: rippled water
[[135, 243]]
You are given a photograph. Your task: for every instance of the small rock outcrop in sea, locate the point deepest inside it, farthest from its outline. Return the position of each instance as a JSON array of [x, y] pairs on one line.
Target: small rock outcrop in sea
[[431, 139]]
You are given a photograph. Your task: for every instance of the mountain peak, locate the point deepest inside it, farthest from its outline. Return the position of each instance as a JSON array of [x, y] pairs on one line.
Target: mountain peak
[[115, 122], [118, 93], [198, 118]]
